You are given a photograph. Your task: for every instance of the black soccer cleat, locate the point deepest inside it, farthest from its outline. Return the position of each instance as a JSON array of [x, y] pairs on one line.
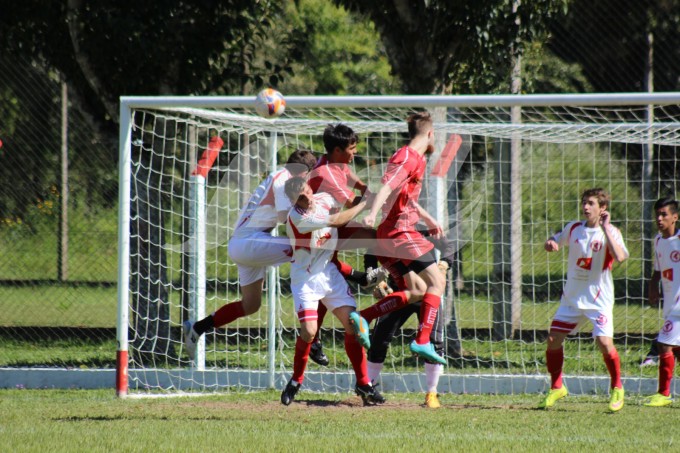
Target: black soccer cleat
[[288, 394], [369, 395], [317, 355]]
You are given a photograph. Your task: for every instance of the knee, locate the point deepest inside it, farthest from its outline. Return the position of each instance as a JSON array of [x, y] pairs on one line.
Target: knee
[[307, 334], [250, 305]]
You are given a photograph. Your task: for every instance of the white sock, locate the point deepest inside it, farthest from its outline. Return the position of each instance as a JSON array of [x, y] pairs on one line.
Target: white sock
[[374, 370], [432, 373]]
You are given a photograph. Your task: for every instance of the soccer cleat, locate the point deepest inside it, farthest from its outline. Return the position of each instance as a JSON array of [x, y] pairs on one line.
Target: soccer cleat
[[552, 397], [432, 401], [288, 394], [375, 276], [377, 396], [360, 327], [317, 355], [190, 339], [369, 395], [426, 351], [616, 399], [659, 400], [382, 290], [650, 361]]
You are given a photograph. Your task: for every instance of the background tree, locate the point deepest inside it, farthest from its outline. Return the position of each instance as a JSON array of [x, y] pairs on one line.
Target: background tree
[[444, 47]]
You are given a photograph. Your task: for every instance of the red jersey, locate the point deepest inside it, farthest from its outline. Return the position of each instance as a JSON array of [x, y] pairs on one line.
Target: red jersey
[[404, 175], [331, 178]]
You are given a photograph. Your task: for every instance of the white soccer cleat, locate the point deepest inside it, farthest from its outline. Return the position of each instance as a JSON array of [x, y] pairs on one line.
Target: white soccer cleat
[[190, 339]]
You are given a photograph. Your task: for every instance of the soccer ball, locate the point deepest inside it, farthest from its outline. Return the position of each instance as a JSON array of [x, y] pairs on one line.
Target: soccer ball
[[270, 103]]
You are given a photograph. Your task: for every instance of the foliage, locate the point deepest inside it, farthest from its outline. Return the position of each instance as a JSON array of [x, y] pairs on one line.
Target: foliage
[[465, 47], [611, 41], [336, 52], [178, 46]]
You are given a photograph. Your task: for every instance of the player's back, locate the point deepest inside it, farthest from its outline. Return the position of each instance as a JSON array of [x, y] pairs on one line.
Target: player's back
[[260, 212]]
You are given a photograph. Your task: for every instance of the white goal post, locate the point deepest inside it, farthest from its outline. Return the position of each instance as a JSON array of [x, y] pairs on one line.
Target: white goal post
[[507, 174]]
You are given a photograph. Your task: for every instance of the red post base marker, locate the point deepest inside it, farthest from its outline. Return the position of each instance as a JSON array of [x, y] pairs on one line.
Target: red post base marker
[[121, 373]]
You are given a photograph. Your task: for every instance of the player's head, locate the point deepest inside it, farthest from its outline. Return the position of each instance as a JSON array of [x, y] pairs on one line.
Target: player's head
[[666, 215], [298, 191], [300, 162], [601, 197], [340, 142], [420, 124]]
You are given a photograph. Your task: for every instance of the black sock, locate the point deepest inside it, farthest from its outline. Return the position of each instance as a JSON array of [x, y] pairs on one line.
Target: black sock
[[357, 277], [204, 325]]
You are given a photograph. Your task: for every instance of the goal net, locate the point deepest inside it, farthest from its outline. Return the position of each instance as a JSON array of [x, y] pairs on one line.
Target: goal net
[[507, 174]]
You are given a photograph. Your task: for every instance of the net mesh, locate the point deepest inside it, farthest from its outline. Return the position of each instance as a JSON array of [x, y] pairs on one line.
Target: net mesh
[[630, 151]]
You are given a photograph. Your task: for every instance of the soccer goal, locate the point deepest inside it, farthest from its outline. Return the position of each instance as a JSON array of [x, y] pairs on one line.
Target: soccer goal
[[507, 174]]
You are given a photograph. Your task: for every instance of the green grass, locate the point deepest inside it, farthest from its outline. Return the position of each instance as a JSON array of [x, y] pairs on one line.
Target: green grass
[[93, 421]]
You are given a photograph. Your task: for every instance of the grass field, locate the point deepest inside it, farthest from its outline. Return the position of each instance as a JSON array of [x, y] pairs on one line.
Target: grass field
[[92, 421]]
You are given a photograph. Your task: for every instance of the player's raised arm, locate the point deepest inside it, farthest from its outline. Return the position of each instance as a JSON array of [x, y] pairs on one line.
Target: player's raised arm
[[613, 238]]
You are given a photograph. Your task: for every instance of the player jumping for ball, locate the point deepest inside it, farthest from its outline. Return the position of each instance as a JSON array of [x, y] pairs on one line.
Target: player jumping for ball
[[398, 237]]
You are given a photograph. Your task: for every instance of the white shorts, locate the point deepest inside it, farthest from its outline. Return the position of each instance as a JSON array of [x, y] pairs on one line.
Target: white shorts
[[569, 318], [670, 332], [254, 253], [328, 287]]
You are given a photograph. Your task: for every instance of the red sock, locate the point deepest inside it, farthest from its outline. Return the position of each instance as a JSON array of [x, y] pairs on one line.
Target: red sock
[[554, 360], [666, 366], [385, 305], [228, 313], [428, 313], [614, 366], [321, 312], [300, 359], [357, 356], [344, 268]]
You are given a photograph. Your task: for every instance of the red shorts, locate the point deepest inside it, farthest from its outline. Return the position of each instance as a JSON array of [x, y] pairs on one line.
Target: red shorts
[[405, 246]]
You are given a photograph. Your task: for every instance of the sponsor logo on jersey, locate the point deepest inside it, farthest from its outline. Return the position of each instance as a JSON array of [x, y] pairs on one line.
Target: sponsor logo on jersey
[[668, 274], [584, 263], [667, 326], [675, 256], [601, 320], [596, 246]]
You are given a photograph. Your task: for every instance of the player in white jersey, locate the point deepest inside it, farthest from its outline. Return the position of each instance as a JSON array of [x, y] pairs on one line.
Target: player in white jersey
[[666, 271], [252, 246], [313, 234], [594, 244]]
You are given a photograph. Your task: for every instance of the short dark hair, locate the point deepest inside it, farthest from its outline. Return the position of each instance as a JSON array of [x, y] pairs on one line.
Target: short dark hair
[[671, 202], [293, 188], [300, 160], [602, 196], [418, 123], [338, 136]]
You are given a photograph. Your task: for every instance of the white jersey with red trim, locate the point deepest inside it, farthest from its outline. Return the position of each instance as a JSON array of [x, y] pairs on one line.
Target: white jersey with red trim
[[667, 262], [260, 213], [313, 241], [589, 275]]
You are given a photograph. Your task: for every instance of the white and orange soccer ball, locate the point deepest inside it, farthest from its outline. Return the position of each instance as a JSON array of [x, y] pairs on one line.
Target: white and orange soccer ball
[[270, 103]]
